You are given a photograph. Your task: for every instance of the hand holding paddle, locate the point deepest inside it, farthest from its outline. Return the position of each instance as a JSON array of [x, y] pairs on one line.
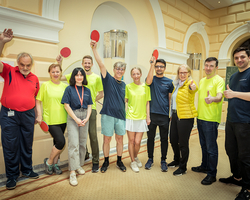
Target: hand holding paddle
[[59, 59], [44, 126], [155, 55]]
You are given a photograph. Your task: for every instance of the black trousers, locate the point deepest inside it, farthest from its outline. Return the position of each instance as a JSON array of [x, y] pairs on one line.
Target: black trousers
[[180, 130], [237, 144], [163, 122]]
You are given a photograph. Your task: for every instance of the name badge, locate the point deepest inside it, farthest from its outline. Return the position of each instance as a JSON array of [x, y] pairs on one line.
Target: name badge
[[11, 113]]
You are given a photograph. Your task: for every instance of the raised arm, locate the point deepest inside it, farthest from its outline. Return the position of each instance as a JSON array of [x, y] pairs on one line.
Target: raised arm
[[5, 37], [209, 99], [149, 78], [98, 59]]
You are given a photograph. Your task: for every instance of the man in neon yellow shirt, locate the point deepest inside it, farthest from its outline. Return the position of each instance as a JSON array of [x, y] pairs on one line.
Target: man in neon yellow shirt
[[210, 101], [96, 89]]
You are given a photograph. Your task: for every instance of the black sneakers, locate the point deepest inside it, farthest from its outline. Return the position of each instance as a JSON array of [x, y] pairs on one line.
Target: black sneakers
[[179, 172], [31, 174], [173, 164], [11, 184], [199, 169], [105, 166], [231, 180], [95, 168], [208, 180], [121, 166], [243, 195]]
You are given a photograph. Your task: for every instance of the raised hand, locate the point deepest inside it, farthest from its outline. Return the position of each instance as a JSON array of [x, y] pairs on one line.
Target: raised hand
[[93, 44], [6, 35], [209, 98], [59, 59], [192, 86], [229, 94], [152, 60]]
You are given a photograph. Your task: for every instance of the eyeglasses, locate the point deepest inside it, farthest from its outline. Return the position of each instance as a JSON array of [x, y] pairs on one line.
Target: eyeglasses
[[159, 66], [183, 73], [119, 69]]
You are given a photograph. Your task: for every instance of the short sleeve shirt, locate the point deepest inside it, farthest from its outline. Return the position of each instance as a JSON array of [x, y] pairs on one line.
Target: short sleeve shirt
[[138, 96], [71, 97], [160, 89], [210, 112], [94, 84], [239, 109], [19, 92], [50, 94], [114, 97]]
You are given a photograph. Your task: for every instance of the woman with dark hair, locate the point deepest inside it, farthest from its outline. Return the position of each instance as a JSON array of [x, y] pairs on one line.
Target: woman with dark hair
[[78, 104], [54, 114]]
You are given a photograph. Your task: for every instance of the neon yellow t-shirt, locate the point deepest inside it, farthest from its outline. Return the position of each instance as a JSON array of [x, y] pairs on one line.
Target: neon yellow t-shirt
[[94, 84], [138, 96], [50, 95], [210, 112]]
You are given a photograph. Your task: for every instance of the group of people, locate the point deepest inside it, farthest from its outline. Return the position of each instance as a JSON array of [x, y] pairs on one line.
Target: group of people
[[159, 102]]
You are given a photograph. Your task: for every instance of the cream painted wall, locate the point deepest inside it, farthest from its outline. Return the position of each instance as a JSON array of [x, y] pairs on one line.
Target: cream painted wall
[[178, 16]]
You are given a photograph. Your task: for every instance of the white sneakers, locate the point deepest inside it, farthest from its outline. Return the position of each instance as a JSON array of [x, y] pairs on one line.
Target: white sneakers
[[72, 176], [80, 171], [134, 166], [139, 164], [72, 179]]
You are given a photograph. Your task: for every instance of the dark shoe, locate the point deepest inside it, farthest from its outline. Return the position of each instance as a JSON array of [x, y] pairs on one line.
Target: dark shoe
[[95, 168], [164, 167], [231, 180], [173, 164], [105, 166], [199, 169], [31, 174], [11, 184], [87, 158], [149, 164], [208, 180], [121, 166], [48, 168], [243, 195], [57, 169], [179, 172]]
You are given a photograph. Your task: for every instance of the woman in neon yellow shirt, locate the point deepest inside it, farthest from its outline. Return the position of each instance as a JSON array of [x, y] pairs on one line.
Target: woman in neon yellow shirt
[[54, 114], [137, 95]]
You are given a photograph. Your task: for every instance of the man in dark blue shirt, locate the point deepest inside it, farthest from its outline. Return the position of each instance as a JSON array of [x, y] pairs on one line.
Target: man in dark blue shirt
[[113, 110], [237, 142], [161, 89]]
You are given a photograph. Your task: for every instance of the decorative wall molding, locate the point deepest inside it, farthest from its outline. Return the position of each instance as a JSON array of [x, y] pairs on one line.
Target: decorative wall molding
[[197, 28], [230, 39], [51, 9], [223, 63], [172, 56], [160, 23], [30, 26]]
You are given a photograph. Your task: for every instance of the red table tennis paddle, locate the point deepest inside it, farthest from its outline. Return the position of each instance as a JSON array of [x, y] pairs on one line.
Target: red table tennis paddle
[[95, 35], [65, 52], [44, 126], [155, 54]]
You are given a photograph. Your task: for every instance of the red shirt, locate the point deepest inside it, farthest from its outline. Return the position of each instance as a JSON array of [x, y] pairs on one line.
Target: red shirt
[[19, 92]]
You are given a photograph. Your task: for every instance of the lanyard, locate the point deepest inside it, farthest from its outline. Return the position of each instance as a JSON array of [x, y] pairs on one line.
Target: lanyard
[[81, 99]]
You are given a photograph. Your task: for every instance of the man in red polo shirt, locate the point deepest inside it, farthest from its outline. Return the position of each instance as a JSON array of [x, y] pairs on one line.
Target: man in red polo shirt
[[17, 115]]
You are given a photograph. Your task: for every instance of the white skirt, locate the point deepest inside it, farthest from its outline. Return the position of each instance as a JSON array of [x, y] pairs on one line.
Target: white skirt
[[136, 125]]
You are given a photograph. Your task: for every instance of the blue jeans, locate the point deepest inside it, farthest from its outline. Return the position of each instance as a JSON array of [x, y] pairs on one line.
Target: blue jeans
[[208, 133]]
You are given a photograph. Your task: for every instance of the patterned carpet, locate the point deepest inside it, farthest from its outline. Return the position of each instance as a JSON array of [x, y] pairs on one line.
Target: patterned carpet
[[147, 184]]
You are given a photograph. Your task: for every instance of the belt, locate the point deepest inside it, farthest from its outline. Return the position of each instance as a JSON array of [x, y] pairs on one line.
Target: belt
[[174, 111]]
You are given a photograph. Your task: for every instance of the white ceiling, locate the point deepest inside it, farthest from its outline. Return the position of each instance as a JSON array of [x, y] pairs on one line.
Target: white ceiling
[[215, 4]]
